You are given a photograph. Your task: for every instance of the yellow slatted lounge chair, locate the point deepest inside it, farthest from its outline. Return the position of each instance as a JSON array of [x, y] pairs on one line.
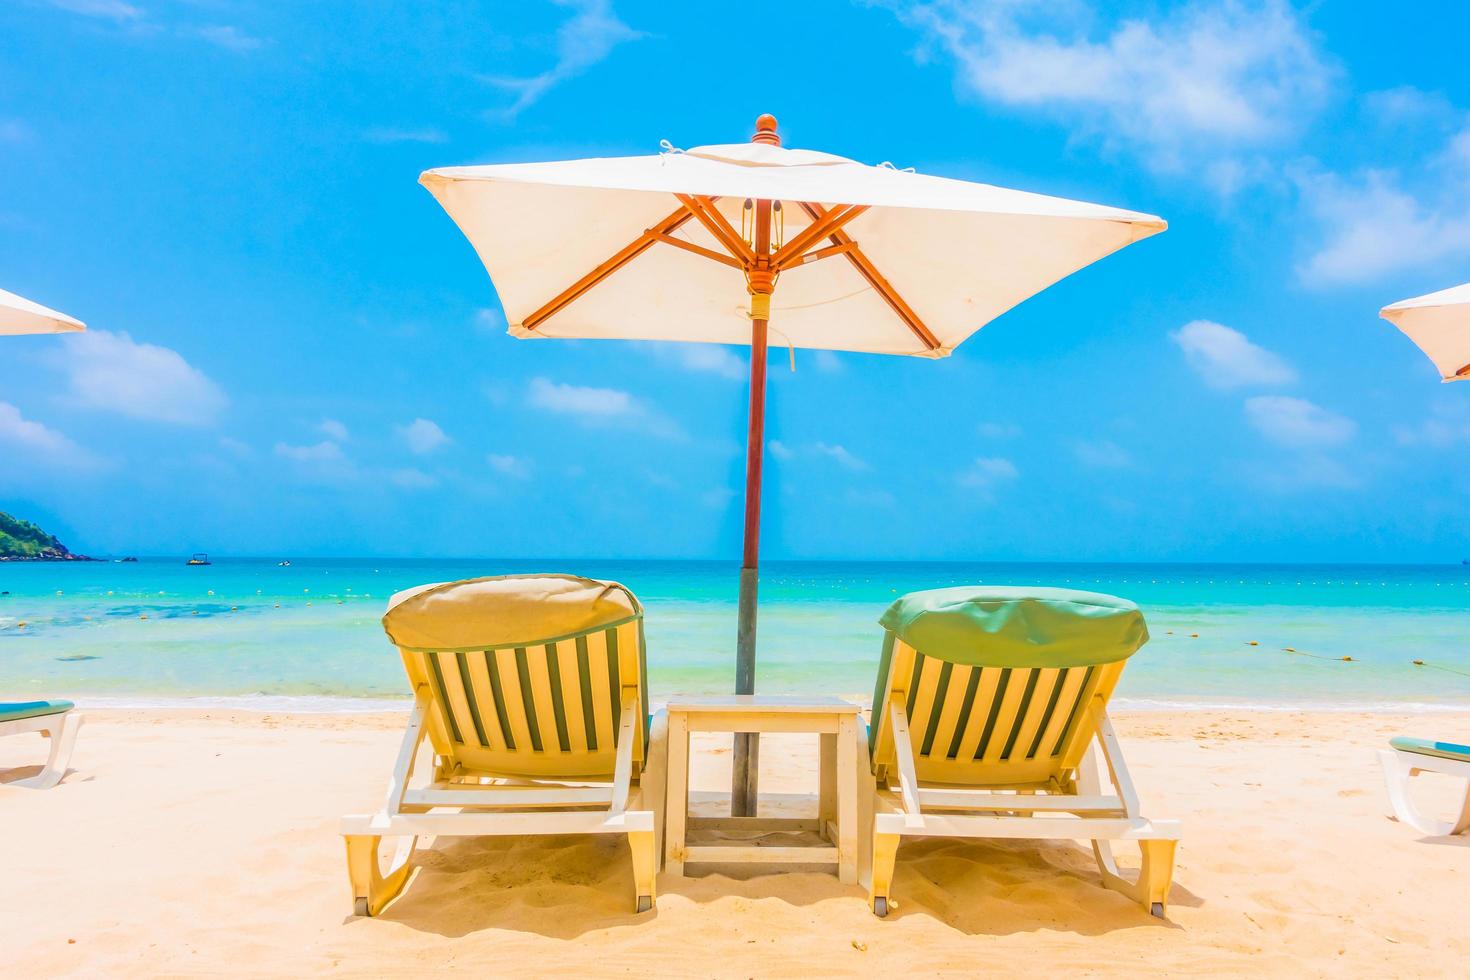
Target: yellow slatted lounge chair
[[532, 691], [57, 721], [990, 709], [1408, 757]]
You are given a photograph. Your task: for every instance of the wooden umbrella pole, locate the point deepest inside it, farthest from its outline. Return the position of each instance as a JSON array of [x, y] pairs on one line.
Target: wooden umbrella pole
[[761, 280]]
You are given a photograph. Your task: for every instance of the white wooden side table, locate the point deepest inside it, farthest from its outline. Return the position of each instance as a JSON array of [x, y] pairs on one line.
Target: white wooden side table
[[834, 720]]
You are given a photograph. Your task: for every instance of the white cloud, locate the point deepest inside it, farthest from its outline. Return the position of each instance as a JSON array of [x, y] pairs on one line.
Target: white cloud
[[779, 449], [235, 447], [422, 436], [999, 430], [1180, 89], [228, 37], [989, 471], [1445, 428], [390, 134], [21, 434], [595, 403], [325, 451], [333, 429], [598, 407], [1380, 221], [1297, 423], [718, 498], [490, 320], [111, 371], [321, 462], [583, 40], [412, 479], [512, 466], [826, 361], [103, 9], [841, 455], [1405, 104], [1103, 454], [707, 358], [1226, 358]]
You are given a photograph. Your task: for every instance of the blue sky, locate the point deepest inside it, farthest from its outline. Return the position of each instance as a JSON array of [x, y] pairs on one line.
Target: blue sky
[[293, 351]]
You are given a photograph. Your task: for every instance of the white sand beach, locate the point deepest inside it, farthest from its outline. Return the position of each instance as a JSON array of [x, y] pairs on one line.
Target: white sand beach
[[187, 843]]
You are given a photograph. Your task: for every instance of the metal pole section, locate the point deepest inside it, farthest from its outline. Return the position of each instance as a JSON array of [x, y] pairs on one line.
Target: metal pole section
[[746, 758]]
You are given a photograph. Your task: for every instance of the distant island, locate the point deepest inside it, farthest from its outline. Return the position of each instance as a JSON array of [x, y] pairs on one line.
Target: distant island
[[23, 541]]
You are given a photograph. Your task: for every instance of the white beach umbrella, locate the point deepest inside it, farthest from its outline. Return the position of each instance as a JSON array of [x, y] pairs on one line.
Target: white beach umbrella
[[1439, 324], [20, 315], [712, 243]]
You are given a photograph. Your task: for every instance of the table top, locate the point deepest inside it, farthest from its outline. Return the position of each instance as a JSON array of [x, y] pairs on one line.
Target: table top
[[763, 703]]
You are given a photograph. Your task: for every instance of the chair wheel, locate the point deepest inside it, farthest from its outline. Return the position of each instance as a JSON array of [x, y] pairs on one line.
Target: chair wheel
[[359, 906], [880, 907], [645, 902], [1156, 910]]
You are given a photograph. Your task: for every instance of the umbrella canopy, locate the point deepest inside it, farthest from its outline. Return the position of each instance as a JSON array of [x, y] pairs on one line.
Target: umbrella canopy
[[870, 258], [1439, 324], [19, 315], [713, 243]]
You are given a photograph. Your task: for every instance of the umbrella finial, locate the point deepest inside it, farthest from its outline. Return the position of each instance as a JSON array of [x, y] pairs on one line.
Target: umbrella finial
[[765, 130]]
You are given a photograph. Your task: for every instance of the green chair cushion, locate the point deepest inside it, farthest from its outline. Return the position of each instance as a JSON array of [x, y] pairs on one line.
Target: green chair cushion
[[1017, 626], [1424, 746], [16, 710]]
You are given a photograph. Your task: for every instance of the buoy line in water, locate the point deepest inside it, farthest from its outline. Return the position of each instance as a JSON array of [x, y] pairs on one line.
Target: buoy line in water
[[1317, 656], [1448, 670]]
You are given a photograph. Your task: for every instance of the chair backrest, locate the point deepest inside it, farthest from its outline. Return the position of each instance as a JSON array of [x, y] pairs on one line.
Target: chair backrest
[[997, 682], [526, 674]]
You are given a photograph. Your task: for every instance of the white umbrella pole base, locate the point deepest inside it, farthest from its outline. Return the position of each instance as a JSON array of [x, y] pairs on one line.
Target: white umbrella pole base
[[746, 759]]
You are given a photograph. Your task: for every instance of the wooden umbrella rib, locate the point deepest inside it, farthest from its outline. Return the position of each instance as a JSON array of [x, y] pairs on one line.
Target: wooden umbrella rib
[[708, 253], [829, 224], [874, 278], [705, 212], [817, 254], [619, 259]]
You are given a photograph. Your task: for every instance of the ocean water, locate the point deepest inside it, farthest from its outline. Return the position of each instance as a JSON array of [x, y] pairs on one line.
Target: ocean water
[[252, 633]]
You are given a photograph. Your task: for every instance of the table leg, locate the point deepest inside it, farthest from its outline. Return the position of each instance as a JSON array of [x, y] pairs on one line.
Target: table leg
[[676, 803], [827, 798], [847, 801]]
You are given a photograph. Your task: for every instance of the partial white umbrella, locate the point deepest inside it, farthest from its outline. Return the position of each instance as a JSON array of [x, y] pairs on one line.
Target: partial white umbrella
[[1439, 323], [19, 315], [692, 245]]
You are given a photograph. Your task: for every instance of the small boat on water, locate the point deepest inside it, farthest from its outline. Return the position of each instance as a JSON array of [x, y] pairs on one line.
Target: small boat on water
[[283, 564], [198, 558]]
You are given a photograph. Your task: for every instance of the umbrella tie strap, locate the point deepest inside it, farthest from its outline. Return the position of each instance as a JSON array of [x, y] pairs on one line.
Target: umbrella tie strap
[[888, 165], [790, 347], [664, 146]]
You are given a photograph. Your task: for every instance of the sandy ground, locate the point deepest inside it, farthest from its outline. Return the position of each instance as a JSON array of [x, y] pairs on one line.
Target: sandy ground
[[194, 843]]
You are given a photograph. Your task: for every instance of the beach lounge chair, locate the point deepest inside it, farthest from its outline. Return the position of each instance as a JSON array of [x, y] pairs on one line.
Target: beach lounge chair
[[56, 720], [1408, 757], [988, 720], [532, 692]]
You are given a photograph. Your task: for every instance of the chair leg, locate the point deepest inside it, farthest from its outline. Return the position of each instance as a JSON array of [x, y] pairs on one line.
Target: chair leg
[[371, 889], [1397, 771], [653, 783], [1462, 823], [63, 737], [643, 844], [885, 855], [1155, 875]]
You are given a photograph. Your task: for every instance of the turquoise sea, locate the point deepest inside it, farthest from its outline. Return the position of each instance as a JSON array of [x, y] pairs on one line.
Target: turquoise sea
[[252, 633]]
